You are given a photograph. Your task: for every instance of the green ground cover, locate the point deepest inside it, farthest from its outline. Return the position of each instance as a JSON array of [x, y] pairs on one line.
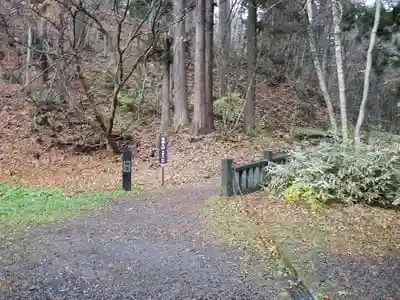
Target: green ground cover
[[21, 208]]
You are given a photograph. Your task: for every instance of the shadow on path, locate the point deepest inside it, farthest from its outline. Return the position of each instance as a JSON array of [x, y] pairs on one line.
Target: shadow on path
[[150, 247]]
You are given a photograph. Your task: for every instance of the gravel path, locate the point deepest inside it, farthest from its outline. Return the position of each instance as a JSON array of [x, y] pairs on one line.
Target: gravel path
[[150, 247], [348, 279]]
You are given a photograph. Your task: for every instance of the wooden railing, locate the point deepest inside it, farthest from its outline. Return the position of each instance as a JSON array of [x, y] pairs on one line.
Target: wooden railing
[[244, 179]]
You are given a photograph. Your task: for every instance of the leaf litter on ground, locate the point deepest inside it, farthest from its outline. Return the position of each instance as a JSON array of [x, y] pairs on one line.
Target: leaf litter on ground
[[26, 162], [356, 233]]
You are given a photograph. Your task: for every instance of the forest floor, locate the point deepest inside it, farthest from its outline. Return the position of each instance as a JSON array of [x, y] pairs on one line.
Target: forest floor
[[67, 183], [29, 158], [39, 137], [347, 253]]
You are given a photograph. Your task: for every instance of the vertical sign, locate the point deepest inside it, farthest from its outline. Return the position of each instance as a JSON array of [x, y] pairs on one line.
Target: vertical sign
[[163, 155], [127, 170]]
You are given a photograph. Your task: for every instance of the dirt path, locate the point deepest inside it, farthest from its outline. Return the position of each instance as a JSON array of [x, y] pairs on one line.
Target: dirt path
[[150, 247]]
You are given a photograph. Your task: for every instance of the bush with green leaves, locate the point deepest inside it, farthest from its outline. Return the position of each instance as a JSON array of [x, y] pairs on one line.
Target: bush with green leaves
[[230, 109], [330, 172], [129, 100]]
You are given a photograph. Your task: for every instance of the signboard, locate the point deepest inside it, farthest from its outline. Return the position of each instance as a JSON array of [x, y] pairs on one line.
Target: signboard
[[163, 151], [127, 170], [163, 155], [126, 167]]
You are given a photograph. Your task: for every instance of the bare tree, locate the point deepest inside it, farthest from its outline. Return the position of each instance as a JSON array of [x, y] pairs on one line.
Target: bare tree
[[80, 21], [336, 11], [249, 110], [28, 71], [120, 47], [43, 61], [318, 68], [63, 28], [368, 67], [59, 61]]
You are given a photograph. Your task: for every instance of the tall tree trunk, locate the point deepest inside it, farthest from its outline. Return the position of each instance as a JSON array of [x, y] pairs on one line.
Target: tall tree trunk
[[44, 64], [224, 24], [181, 115], [28, 57], [105, 45], [172, 67], [190, 32], [368, 67], [318, 68], [340, 73], [80, 28], [209, 57], [249, 108], [165, 88], [189, 22], [60, 79], [200, 125], [228, 26]]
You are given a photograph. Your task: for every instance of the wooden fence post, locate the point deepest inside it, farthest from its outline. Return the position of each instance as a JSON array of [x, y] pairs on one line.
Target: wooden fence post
[[227, 177], [267, 155]]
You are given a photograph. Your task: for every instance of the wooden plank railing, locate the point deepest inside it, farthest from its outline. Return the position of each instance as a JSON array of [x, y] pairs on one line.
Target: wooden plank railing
[[247, 178]]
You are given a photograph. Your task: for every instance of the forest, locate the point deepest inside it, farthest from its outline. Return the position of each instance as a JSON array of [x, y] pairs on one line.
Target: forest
[[83, 80]]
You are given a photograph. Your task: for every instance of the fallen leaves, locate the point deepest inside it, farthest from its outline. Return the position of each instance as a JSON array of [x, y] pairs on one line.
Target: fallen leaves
[[365, 232], [188, 161], [360, 234], [38, 156]]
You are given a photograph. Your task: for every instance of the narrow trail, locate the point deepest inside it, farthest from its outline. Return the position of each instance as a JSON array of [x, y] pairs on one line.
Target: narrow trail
[[151, 247]]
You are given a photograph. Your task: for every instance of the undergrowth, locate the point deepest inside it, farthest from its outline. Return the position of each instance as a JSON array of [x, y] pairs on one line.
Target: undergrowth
[[229, 109], [21, 208], [331, 172]]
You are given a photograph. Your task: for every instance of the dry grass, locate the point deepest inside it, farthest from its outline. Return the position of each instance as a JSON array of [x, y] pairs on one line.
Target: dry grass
[[358, 234], [361, 231], [291, 237]]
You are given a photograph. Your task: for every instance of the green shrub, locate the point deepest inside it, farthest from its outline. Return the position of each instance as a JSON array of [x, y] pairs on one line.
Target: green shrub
[[298, 193], [128, 101], [230, 109], [330, 172]]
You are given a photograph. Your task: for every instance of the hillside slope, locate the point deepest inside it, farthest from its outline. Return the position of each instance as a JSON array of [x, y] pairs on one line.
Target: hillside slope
[[60, 144]]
